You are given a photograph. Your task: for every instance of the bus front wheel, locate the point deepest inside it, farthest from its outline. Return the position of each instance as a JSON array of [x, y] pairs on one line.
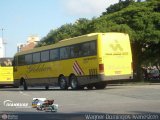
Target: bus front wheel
[[25, 87], [46, 87], [62, 83]]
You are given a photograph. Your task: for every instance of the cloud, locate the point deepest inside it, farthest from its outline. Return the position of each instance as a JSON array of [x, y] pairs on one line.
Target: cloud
[[87, 7]]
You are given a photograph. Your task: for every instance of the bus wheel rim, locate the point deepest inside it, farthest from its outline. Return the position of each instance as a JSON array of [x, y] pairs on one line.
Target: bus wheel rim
[[62, 83], [74, 83]]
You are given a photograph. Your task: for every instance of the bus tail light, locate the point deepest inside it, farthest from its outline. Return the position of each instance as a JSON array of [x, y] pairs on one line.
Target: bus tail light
[[101, 68]]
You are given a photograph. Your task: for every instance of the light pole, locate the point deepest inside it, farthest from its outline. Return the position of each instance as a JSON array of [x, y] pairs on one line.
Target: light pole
[[3, 42], [2, 32]]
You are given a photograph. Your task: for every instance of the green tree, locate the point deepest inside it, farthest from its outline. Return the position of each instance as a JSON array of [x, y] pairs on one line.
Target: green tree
[[65, 31], [118, 6], [141, 20]]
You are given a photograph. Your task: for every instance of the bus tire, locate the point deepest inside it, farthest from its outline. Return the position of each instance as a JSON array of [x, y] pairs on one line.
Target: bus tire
[[101, 85], [25, 87], [62, 83], [74, 82]]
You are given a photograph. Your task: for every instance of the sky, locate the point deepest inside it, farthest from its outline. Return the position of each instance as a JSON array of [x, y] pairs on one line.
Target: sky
[[23, 18]]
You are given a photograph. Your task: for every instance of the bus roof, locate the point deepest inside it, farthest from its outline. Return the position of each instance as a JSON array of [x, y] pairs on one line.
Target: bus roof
[[64, 42], [61, 43]]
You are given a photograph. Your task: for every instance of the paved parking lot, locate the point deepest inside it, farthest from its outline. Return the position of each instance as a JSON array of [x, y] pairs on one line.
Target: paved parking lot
[[133, 99]]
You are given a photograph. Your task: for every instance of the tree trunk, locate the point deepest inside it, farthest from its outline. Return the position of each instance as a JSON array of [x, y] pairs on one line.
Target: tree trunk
[[137, 61]]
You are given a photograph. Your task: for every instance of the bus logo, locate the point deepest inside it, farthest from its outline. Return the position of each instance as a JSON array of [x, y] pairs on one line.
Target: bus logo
[[116, 46], [77, 69]]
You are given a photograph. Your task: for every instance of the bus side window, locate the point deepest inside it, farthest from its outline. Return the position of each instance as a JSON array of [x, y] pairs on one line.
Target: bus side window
[[75, 51], [14, 62], [93, 48], [85, 49], [28, 59], [21, 60], [54, 54], [36, 57], [64, 52], [44, 56]]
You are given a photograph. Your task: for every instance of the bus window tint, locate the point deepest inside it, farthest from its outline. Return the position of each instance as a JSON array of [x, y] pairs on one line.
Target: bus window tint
[[21, 60], [64, 52], [85, 49], [44, 56], [28, 59], [76, 51], [15, 61], [93, 48], [36, 57], [54, 54]]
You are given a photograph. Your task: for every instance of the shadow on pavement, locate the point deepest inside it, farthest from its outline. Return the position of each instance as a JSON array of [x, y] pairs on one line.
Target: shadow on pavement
[[31, 89]]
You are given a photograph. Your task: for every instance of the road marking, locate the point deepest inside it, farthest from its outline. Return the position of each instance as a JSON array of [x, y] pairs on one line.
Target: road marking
[[23, 93]]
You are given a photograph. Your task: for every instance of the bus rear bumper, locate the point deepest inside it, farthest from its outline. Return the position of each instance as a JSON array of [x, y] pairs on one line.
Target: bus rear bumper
[[84, 80], [8, 83], [116, 77]]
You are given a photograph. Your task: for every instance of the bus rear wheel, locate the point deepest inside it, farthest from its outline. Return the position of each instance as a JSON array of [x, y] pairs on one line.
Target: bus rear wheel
[[101, 85], [62, 83], [74, 82]]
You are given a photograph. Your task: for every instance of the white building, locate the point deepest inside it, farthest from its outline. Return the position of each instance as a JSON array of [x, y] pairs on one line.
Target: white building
[[2, 49]]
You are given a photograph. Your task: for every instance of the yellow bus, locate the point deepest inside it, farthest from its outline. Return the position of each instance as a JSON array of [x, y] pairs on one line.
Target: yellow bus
[[85, 61], [6, 72]]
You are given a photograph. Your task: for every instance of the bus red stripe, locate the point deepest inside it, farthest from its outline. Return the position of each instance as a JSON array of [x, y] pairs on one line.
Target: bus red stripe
[[79, 67], [75, 69], [76, 66]]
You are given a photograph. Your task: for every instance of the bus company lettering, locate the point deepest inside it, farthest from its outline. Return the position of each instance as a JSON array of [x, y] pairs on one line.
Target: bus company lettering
[[117, 53], [39, 68]]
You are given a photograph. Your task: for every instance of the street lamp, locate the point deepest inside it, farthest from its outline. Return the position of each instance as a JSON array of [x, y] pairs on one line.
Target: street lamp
[[3, 42]]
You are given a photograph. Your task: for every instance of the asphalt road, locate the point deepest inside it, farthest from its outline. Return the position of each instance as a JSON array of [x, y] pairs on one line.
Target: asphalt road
[[133, 99]]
